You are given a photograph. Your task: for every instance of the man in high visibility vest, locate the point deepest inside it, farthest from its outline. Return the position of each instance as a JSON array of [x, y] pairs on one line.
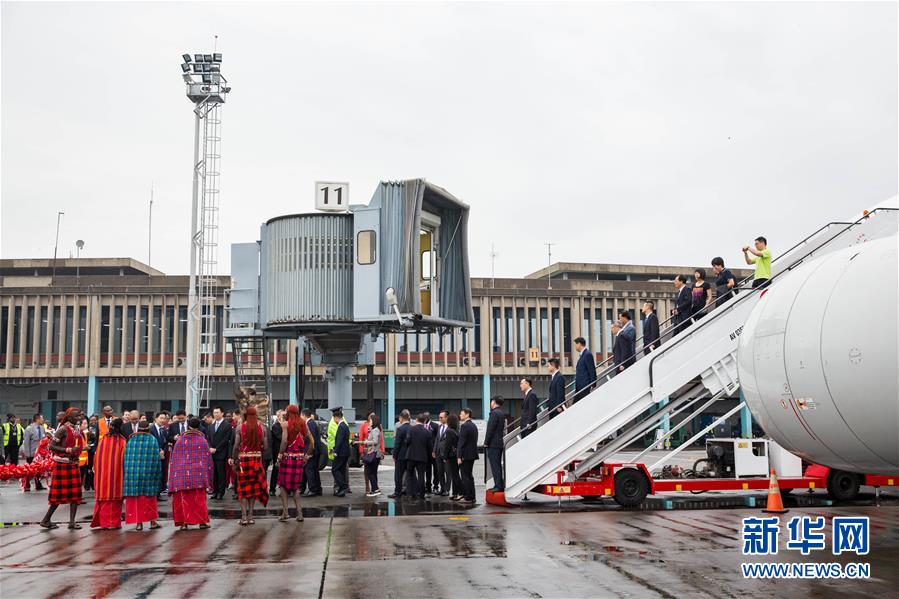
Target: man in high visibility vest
[[13, 437], [339, 451]]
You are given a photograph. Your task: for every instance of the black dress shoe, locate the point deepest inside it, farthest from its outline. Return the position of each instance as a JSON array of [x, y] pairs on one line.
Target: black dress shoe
[[340, 494], [394, 495]]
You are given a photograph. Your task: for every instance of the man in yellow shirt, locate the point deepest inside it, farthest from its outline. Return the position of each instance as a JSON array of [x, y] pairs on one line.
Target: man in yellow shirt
[[761, 257]]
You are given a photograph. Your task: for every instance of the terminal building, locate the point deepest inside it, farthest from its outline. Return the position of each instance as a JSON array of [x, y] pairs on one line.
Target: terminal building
[[94, 331]]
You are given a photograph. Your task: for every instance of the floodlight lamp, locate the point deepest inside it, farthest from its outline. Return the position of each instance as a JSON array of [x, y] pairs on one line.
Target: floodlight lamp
[[217, 57], [186, 57], [207, 78], [198, 58], [198, 68], [226, 90], [207, 58], [185, 67], [214, 68], [187, 78]]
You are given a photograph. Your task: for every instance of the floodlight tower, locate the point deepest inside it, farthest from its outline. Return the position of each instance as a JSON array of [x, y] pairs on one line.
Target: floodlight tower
[[207, 89]]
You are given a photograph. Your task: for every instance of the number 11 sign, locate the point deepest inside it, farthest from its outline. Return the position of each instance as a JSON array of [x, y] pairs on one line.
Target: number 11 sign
[[331, 196]]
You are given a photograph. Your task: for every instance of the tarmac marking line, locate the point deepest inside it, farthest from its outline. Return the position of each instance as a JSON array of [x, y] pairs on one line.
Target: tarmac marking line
[[321, 588]]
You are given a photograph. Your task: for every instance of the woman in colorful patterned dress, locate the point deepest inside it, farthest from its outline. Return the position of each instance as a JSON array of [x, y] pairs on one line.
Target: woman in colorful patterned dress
[[190, 475], [143, 477], [65, 485], [109, 477], [250, 441], [292, 457]]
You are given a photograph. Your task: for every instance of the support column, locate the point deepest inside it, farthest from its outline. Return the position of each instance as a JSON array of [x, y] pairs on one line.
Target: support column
[[93, 396], [294, 400], [485, 396], [664, 427], [47, 412], [745, 420], [391, 401]]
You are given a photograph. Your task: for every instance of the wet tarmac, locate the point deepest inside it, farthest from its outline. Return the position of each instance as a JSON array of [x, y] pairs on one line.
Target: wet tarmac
[[352, 547]]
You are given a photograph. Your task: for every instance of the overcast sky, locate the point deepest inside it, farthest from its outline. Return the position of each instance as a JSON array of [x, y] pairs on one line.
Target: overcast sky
[[634, 133]]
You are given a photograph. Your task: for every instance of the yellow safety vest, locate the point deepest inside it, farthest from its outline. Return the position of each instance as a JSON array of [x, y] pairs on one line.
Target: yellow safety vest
[[6, 430]]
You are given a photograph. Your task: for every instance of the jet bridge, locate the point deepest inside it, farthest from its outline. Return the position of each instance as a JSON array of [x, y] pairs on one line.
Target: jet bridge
[[337, 280]]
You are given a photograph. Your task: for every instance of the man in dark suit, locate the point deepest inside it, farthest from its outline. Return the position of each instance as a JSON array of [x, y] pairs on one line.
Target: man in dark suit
[[160, 432], [651, 339], [619, 351], [629, 334], [493, 442], [683, 304], [467, 453], [528, 408], [219, 436], [556, 388], [419, 448], [585, 371], [400, 441], [311, 475], [276, 432], [341, 453], [441, 481], [177, 427], [432, 430]]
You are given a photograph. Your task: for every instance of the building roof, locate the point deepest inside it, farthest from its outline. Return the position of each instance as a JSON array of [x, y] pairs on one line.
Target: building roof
[[620, 272], [71, 266]]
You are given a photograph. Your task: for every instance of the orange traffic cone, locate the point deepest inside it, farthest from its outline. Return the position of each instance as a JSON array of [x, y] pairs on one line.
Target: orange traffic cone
[[775, 504]]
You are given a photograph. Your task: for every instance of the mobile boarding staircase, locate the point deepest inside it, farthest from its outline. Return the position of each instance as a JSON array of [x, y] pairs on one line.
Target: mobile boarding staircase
[[693, 368]]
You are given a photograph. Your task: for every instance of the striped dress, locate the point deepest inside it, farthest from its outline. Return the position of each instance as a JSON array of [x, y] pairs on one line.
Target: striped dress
[[109, 476]]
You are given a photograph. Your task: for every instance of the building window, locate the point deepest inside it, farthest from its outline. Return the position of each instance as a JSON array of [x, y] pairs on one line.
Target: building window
[[557, 330], [477, 330], [585, 326], [496, 330], [544, 331], [4, 332], [131, 315], [117, 333], [16, 324], [532, 327], [54, 331], [510, 330], [144, 329], [597, 331], [156, 345], [566, 330], [70, 330], [366, 247], [104, 336], [82, 333], [169, 329], [42, 340], [522, 333]]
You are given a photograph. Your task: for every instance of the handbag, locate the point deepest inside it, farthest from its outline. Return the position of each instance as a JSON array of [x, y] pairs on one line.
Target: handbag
[[369, 458]]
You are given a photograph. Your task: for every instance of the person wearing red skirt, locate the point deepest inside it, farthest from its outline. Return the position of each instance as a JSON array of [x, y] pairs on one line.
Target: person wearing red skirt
[[292, 457], [109, 475], [190, 475], [143, 477], [250, 441], [65, 484]]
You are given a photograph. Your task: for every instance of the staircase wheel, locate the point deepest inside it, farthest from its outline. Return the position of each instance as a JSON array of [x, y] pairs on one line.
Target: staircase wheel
[[631, 487]]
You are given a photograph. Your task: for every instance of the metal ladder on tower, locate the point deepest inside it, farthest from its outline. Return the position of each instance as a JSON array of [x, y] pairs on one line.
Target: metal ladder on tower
[[207, 280], [251, 363]]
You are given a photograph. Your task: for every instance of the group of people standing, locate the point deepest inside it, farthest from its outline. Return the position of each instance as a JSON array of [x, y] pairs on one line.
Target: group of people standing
[[435, 458], [134, 469], [690, 304]]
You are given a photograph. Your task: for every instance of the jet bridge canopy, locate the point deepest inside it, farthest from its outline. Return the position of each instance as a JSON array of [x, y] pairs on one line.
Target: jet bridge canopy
[[419, 233]]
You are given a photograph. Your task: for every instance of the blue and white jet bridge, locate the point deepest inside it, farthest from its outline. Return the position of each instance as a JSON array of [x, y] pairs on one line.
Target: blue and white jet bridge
[[336, 279]]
